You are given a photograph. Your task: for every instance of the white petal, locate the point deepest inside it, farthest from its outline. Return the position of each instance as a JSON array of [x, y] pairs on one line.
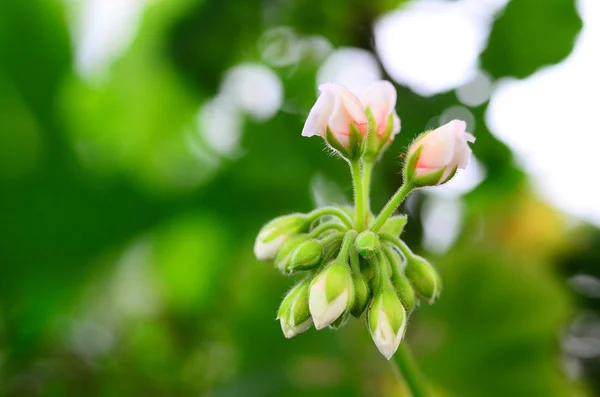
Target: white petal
[[339, 122], [462, 154], [385, 338], [457, 126], [323, 312], [266, 251], [316, 122], [292, 330]]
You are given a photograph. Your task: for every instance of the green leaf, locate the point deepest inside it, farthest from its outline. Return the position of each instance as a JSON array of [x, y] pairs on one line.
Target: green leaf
[[531, 34]]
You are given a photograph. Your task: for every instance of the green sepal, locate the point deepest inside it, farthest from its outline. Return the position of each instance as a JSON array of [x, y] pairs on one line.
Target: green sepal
[[284, 224], [430, 179], [424, 278], [375, 144], [405, 291], [306, 255], [394, 225], [337, 279], [411, 163], [387, 133], [297, 300], [401, 284], [372, 145], [393, 309], [355, 142], [362, 295], [284, 255], [373, 312]]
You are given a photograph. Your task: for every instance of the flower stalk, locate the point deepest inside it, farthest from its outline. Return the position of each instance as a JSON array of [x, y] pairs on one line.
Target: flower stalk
[[410, 372], [391, 206], [350, 263]]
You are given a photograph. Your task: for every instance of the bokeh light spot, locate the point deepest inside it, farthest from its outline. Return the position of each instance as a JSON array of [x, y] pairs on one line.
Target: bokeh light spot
[[476, 91], [353, 68]]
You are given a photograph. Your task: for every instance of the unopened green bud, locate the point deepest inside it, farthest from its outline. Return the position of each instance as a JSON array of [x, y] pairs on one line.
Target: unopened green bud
[[331, 294], [367, 242], [405, 291], [272, 236], [284, 256], [306, 256], [424, 278], [362, 293], [394, 225], [387, 321], [293, 314]]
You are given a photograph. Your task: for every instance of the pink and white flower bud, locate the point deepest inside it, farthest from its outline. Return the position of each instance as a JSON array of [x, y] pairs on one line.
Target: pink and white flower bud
[[338, 117], [440, 153]]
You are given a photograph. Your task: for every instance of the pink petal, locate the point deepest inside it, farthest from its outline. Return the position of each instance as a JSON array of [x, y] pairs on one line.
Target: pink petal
[[380, 97], [437, 149]]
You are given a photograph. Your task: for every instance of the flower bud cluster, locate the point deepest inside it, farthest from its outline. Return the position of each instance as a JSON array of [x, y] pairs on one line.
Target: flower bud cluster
[[345, 273], [349, 261]]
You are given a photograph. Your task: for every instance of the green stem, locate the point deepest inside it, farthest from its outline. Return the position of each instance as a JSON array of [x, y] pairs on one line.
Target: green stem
[[358, 195], [354, 261], [332, 211], [394, 260], [391, 206], [406, 252], [410, 372], [382, 260], [331, 250], [347, 243], [327, 226], [366, 184], [332, 238]]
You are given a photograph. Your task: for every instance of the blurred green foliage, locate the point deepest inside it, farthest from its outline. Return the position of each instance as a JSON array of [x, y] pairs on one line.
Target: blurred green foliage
[[126, 262]]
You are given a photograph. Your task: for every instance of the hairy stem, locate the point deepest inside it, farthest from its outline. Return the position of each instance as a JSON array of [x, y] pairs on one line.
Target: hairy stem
[[391, 206], [331, 211], [347, 243], [406, 252], [326, 227], [359, 203], [366, 186]]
